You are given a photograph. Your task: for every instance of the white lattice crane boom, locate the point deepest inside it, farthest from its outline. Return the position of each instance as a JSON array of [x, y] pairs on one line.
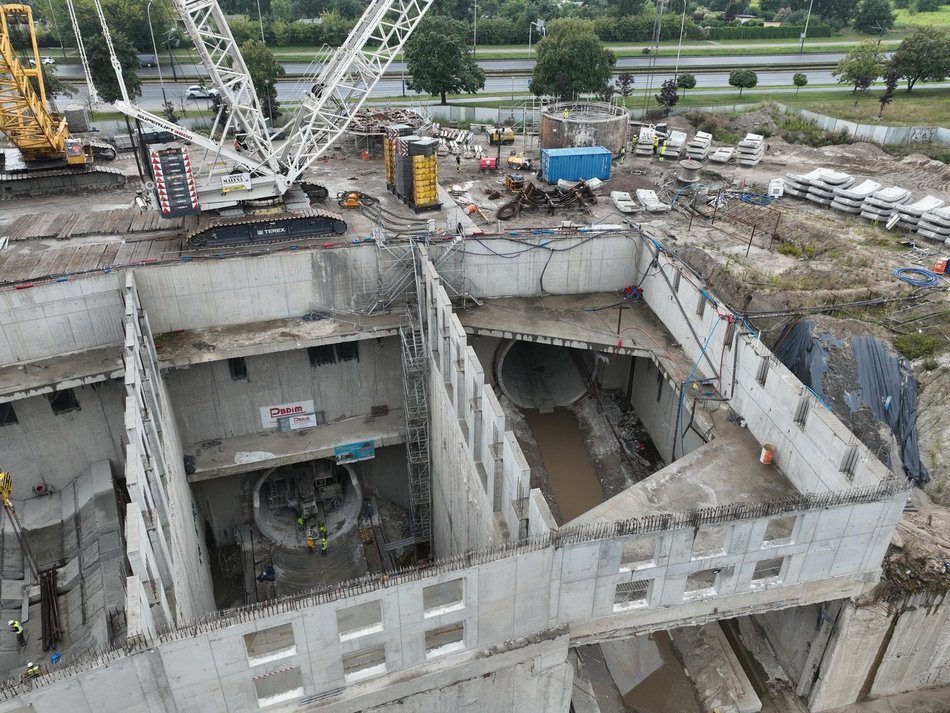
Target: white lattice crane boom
[[338, 92]]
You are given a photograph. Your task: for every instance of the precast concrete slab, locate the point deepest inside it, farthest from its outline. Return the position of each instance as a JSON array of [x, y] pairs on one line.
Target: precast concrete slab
[[43, 376], [725, 470], [199, 346], [256, 451], [597, 322]]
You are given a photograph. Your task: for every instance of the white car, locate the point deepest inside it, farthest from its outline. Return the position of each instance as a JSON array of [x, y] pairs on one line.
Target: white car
[[45, 60], [196, 91]]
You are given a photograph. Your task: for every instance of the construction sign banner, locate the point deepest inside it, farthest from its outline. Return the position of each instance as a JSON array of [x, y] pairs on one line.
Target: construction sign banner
[[271, 414], [352, 452]]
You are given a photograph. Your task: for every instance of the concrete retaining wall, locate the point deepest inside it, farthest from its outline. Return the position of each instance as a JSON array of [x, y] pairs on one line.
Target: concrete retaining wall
[[60, 318], [166, 551], [570, 265], [481, 480], [254, 289], [508, 599], [53, 449], [209, 403], [758, 384]]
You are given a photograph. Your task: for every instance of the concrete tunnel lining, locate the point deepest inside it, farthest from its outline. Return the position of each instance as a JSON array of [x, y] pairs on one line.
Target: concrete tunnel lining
[[539, 376]]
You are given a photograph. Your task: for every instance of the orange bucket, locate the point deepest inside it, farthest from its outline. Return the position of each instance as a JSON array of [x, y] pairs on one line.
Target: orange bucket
[[364, 155], [940, 266], [768, 454]]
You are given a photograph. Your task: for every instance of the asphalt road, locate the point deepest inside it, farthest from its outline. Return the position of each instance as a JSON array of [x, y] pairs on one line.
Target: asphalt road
[[298, 69], [392, 87]]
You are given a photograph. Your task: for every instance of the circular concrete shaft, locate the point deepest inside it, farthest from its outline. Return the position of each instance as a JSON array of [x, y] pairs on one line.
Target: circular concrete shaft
[[540, 376]]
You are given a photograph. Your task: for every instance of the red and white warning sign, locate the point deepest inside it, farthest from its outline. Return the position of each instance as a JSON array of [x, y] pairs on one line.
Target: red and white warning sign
[[174, 182]]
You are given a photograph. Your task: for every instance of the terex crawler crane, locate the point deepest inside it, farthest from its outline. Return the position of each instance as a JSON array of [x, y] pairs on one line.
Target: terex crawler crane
[[272, 164], [49, 158]]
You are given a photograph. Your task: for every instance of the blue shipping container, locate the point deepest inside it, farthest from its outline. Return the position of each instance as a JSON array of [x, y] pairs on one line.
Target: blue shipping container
[[577, 164]]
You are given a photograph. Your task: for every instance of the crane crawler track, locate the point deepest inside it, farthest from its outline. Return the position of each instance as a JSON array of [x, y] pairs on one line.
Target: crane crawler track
[[59, 180], [260, 230]]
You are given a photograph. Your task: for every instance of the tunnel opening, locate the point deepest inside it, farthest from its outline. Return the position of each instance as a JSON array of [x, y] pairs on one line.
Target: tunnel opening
[[573, 413]]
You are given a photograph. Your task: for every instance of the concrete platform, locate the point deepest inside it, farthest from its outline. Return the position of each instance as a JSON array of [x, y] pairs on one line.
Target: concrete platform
[[725, 470], [199, 346], [19, 381], [242, 454], [587, 321]]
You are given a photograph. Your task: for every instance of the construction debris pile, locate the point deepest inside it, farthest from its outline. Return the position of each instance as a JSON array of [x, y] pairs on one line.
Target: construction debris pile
[[374, 122], [532, 198], [918, 560]]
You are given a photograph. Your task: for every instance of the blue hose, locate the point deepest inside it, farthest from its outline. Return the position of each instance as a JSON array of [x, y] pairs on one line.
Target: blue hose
[[917, 276], [756, 198]]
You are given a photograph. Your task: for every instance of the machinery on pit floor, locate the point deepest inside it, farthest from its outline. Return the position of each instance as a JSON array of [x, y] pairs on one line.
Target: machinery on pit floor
[[267, 170], [46, 156], [498, 136]]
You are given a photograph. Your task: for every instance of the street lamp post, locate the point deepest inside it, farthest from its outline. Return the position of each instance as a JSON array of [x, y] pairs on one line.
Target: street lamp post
[[475, 29], [158, 64], [542, 30], [260, 21], [805, 31]]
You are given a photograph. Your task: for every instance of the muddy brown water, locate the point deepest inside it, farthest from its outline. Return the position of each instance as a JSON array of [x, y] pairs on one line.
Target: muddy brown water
[[667, 689], [566, 461]]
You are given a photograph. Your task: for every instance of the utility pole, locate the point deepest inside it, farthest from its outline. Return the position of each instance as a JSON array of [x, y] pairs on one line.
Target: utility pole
[[805, 31]]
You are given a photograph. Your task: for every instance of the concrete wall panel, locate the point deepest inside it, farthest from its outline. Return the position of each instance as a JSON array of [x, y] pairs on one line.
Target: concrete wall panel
[[50, 448], [60, 318]]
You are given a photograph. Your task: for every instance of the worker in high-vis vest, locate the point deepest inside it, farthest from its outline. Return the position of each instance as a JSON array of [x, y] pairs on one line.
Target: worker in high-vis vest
[[324, 545], [17, 628], [32, 670]]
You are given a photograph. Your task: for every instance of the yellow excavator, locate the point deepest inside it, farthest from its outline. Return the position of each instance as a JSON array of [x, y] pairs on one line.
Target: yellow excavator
[[46, 157]]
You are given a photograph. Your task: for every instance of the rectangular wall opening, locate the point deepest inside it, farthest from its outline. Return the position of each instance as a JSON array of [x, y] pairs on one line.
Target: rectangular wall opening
[[709, 541], [238, 368], [346, 351], [7, 415], [361, 620], [445, 639], [321, 355], [364, 664], [63, 401], [270, 644], [631, 594], [638, 553], [779, 530], [768, 570], [702, 582], [445, 597], [278, 687]]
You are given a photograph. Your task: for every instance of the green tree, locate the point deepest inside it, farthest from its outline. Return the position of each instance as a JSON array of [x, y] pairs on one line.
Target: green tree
[[799, 80], [264, 70], [440, 60], [571, 60], [100, 66], [860, 67], [924, 55], [623, 85], [743, 79], [668, 97], [53, 84], [874, 17], [686, 81], [282, 10], [891, 78]]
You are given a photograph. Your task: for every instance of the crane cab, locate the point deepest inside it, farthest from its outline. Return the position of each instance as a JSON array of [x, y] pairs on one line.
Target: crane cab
[[75, 152]]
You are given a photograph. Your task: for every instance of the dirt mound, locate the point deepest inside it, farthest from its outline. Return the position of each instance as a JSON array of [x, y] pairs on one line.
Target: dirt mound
[[756, 122]]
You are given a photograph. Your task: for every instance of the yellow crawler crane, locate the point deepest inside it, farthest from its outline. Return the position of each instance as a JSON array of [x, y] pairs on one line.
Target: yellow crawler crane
[[50, 160], [24, 116]]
